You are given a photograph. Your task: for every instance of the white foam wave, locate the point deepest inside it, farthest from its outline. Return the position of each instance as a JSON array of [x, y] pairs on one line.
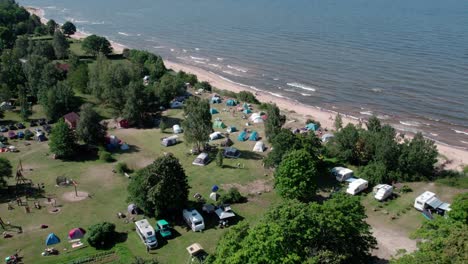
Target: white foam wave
[[239, 69], [81, 21], [276, 79], [377, 90], [215, 65], [124, 34], [410, 123], [172, 50], [384, 117], [369, 113], [199, 58], [197, 49], [464, 142], [184, 51], [305, 94], [301, 86], [434, 134], [231, 73], [98, 23], [50, 7], [289, 90], [461, 132], [158, 47], [277, 95], [200, 62], [219, 59], [233, 82]]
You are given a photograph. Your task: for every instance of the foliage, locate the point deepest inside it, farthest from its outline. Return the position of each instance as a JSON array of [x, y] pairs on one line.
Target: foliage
[[163, 124], [58, 100], [274, 122], [6, 171], [68, 28], [219, 158], [232, 196], [161, 187], [139, 260], [62, 140], [11, 72], [206, 86], [95, 44], [338, 123], [25, 107], [283, 142], [51, 27], [418, 157], [60, 45], [136, 104], [248, 97], [406, 189], [459, 208], [89, 128], [375, 173], [42, 48], [78, 78], [197, 124], [101, 235], [297, 176], [105, 156], [294, 232], [150, 64], [14, 21], [40, 74], [168, 88], [122, 168]]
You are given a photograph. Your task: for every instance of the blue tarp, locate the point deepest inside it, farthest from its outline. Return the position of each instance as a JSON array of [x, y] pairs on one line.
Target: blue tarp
[[253, 136], [312, 126], [242, 136], [52, 239]]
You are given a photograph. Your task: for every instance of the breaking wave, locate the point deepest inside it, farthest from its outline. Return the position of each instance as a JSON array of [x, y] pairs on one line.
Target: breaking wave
[[301, 86]]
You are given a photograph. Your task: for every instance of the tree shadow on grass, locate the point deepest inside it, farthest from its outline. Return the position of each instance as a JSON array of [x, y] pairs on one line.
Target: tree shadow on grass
[[12, 192], [119, 237], [250, 155]]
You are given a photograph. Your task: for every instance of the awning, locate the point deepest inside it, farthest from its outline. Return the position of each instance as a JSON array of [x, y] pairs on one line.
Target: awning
[[434, 202], [445, 206]]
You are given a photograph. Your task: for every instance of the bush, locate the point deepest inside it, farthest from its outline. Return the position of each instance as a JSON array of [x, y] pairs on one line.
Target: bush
[[122, 168], [105, 156], [232, 196], [406, 189], [28, 135], [101, 235], [248, 97], [219, 158]]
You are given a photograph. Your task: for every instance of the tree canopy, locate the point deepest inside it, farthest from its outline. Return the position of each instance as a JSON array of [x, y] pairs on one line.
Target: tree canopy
[[89, 128], [62, 140], [96, 44], [274, 122], [68, 28], [5, 171], [197, 124], [161, 187], [60, 45], [101, 235]]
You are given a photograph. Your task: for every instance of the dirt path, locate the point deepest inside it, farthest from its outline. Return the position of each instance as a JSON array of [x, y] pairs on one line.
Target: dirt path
[[390, 240]]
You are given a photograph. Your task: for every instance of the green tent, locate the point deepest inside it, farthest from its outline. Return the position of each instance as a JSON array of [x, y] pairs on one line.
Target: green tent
[[312, 126], [219, 124], [253, 136], [245, 106], [247, 111], [231, 102], [242, 136], [213, 111], [231, 129]]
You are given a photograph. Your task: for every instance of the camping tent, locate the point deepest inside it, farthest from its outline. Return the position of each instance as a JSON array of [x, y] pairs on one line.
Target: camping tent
[[247, 111], [213, 111], [231, 102], [177, 129], [76, 233], [219, 124], [242, 136], [327, 137], [215, 135], [215, 99], [52, 239], [253, 136], [231, 129], [257, 119], [176, 104], [132, 209], [245, 106], [312, 126], [259, 147]]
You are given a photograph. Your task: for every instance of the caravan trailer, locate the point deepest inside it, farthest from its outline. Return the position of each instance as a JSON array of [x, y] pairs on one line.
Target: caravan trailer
[[146, 233], [382, 191], [193, 219], [169, 141], [429, 201], [357, 186], [341, 173]]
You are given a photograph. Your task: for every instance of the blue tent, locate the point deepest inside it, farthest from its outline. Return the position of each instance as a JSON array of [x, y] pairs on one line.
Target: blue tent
[[215, 188], [253, 136], [231, 102], [213, 111], [312, 126], [245, 106], [242, 136], [52, 239], [247, 111]]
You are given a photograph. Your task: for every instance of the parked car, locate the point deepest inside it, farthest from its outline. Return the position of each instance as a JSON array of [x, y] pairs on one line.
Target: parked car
[[3, 129], [163, 227], [47, 128], [20, 126], [33, 123], [12, 127], [42, 122], [232, 153]]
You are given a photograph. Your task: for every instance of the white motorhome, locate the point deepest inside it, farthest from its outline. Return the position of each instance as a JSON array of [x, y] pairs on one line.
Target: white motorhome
[[382, 191], [357, 186], [193, 219], [429, 200], [146, 233], [341, 173]]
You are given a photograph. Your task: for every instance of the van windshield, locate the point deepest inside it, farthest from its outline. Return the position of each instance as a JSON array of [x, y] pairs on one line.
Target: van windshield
[[151, 239], [198, 223]]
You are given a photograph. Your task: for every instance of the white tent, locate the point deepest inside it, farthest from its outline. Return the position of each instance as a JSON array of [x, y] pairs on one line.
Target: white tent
[[177, 129], [215, 135], [225, 212], [176, 104], [256, 118], [259, 147]]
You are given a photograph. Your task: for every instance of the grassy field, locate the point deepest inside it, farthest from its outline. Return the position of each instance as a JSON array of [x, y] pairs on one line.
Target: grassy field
[[108, 195]]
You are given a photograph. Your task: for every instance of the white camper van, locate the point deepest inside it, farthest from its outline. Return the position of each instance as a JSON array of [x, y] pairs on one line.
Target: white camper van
[[429, 200], [357, 186], [193, 219], [382, 191], [341, 173], [146, 233]]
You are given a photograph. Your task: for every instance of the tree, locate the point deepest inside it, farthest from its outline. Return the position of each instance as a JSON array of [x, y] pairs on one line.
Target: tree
[[248, 97], [89, 128], [62, 140], [375, 173], [338, 122], [68, 28], [346, 141], [161, 187], [51, 26], [168, 88], [60, 44], [78, 78], [25, 107], [95, 44], [206, 86], [219, 158], [5, 171], [42, 49], [11, 71], [459, 208], [282, 143], [101, 235], [274, 122], [373, 124], [21, 46], [163, 124], [58, 100], [197, 124], [135, 106], [417, 158], [296, 176]]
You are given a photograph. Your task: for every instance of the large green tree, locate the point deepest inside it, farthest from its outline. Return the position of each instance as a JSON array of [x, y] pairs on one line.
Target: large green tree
[[6, 171], [161, 187], [136, 104], [101, 235], [58, 100], [78, 78], [68, 28], [52, 26], [96, 44], [197, 124], [297, 176], [62, 140], [274, 122], [418, 158], [283, 142], [60, 44], [89, 128]]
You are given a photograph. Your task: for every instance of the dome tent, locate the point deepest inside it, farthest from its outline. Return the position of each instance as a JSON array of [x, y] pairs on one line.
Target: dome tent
[[218, 124], [231, 129], [213, 111], [52, 239], [231, 102], [76, 233], [259, 147], [242, 136], [253, 136], [132, 209]]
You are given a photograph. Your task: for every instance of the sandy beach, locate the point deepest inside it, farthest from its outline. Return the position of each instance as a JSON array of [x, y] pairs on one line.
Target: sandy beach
[[456, 158]]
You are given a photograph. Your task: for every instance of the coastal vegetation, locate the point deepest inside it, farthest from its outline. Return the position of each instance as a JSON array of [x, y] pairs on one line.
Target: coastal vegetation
[[289, 209]]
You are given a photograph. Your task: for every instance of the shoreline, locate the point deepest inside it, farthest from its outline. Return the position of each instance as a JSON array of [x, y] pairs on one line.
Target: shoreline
[[295, 111]]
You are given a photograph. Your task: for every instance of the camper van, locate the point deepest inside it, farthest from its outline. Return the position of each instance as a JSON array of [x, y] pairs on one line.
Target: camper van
[[429, 201], [194, 219], [341, 173], [169, 141], [382, 191], [146, 233], [357, 186]]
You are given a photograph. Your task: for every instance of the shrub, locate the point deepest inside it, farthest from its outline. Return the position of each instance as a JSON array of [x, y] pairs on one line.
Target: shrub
[[232, 196], [28, 135], [406, 189], [105, 156], [219, 158], [248, 97], [101, 235], [122, 168]]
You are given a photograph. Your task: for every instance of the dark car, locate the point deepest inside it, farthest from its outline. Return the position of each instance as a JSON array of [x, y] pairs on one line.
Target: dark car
[[47, 128], [33, 123], [20, 126], [3, 129], [42, 122], [12, 127]]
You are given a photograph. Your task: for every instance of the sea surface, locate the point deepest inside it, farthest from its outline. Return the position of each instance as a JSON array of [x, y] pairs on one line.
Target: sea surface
[[405, 61]]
